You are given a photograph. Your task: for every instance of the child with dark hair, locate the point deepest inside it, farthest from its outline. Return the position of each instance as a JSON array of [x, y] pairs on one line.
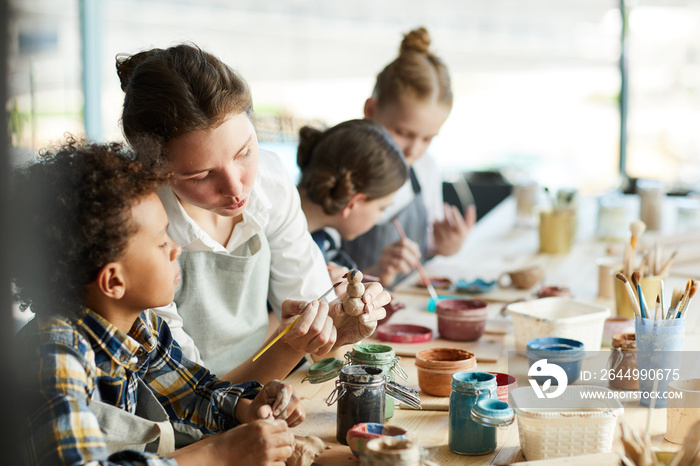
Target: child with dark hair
[[102, 378], [349, 175]]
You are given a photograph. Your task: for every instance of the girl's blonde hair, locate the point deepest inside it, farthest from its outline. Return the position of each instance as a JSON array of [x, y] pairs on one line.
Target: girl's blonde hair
[[416, 73]]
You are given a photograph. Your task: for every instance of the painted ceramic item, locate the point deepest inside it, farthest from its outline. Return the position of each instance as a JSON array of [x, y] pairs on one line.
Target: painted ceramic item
[[360, 434], [461, 319], [476, 286], [404, 333]]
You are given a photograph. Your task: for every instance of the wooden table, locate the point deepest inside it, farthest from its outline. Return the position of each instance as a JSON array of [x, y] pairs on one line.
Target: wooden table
[[495, 246]]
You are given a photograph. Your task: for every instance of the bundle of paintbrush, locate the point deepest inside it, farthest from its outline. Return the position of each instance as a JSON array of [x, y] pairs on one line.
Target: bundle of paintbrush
[[680, 299], [652, 263]]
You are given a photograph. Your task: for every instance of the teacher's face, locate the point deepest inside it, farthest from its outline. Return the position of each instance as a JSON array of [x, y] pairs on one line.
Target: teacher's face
[[215, 168]]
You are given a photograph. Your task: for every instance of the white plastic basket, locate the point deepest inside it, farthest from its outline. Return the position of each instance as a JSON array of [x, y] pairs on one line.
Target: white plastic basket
[[568, 425], [558, 317]]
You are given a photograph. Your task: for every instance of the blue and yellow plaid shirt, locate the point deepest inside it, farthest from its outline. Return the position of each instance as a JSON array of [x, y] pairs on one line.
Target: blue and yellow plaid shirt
[[71, 361]]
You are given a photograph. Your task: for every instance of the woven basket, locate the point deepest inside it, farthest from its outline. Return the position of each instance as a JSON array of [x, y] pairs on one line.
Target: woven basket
[[565, 426], [558, 317]]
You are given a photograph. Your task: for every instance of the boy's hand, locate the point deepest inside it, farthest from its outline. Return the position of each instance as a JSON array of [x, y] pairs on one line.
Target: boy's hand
[[401, 256], [277, 400], [451, 232], [352, 329], [265, 442]]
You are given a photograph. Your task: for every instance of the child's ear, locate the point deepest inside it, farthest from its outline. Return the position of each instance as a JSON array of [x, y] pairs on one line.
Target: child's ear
[[352, 203], [370, 107], [110, 281]]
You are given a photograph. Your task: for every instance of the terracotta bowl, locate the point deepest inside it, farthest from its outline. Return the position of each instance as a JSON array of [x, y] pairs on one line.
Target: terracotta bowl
[[435, 367]]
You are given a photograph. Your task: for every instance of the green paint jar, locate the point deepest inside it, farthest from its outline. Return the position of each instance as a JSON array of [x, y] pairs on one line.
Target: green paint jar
[[382, 356]]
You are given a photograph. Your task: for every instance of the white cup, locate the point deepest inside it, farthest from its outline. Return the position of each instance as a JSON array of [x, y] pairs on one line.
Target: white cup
[[682, 409]]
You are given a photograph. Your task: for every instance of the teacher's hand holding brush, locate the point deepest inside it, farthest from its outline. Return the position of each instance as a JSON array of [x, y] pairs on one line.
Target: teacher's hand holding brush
[[317, 327]]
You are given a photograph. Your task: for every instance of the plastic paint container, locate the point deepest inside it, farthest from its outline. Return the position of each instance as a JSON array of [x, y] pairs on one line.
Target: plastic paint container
[[461, 319], [564, 352], [435, 367]]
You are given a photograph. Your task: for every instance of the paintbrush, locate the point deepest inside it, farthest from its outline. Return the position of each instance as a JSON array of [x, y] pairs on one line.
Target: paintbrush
[[289, 327], [630, 293], [657, 310], [691, 292], [636, 230], [684, 297], [642, 302], [419, 267], [675, 299], [667, 265]]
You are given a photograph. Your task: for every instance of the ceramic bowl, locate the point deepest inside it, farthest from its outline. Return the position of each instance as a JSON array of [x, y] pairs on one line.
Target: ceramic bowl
[[404, 333], [461, 319], [476, 286], [358, 436]]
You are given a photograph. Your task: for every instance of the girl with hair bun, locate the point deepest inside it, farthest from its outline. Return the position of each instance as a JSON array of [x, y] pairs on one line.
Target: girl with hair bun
[[237, 217], [412, 98], [349, 175]]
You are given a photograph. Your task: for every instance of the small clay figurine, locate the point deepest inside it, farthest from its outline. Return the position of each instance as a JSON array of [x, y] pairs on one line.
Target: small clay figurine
[[353, 304]]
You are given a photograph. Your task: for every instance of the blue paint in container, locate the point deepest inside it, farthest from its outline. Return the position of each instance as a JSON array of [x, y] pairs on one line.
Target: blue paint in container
[[564, 352]]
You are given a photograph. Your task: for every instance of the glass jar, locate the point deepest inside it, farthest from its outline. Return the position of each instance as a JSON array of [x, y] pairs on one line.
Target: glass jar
[[622, 362], [475, 412], [378, 355]]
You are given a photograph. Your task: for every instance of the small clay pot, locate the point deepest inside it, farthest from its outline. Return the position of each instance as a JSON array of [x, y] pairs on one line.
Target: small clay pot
[[505, 382], [435, 367], [549, 291], [614, 325], [461, 319], [523, 279]]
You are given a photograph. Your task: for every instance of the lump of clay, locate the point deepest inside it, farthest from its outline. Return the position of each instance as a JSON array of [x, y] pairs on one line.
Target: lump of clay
[[306, 449], [353, 304]]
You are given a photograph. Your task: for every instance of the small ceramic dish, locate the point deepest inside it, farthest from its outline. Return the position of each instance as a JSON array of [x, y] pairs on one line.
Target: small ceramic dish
[[358, 436], [404, 333], [476, 286], [439, 283]]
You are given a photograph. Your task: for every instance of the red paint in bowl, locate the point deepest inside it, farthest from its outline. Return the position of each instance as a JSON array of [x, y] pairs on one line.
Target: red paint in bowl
[[404, 333], [461, 319], [504, 382]]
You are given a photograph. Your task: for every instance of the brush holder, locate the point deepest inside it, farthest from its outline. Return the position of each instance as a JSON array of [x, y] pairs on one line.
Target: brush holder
[[557, 230], [659, 345], [651, 287]]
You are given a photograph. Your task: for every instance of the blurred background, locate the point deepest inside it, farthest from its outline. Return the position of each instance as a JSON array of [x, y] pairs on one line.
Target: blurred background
[[537, 82]]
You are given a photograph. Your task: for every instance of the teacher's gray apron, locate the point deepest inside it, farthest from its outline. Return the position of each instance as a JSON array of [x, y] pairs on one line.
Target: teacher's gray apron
[[222, 300], [125, 431], [366, 249]]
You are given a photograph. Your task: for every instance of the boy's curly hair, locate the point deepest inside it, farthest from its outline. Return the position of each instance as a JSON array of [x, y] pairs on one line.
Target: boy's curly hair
[[71, 216]]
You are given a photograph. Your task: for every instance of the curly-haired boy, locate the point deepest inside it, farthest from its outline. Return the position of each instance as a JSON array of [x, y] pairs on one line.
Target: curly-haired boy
[[103, 379]]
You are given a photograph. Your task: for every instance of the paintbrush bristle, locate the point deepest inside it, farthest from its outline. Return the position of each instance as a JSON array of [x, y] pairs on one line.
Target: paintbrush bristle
[[635, 278], [676, 296], [621, 276], [637, 228], [693, 290]]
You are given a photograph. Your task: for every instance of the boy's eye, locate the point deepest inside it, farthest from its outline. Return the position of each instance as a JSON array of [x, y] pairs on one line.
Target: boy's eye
[[162, 246]]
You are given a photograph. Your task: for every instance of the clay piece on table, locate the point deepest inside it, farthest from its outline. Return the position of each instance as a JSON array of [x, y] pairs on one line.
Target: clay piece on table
[[353, 306], [439, 283], [306, 449]]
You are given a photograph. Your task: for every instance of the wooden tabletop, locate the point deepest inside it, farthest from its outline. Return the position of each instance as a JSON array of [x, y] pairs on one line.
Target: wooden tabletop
[[495, 246]]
